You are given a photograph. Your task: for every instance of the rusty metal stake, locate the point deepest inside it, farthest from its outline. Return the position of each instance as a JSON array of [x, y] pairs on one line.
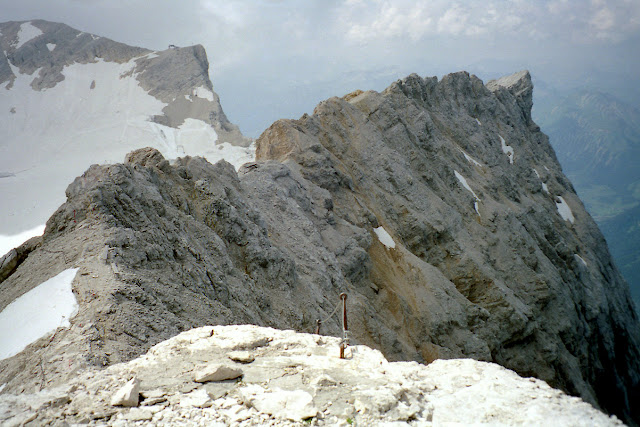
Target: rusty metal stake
[[343, 344], [318, 323]]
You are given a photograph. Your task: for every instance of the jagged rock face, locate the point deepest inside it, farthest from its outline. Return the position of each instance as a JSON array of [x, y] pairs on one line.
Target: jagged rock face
[[175, 77], [483, 220], [490, 254], [162, 248]]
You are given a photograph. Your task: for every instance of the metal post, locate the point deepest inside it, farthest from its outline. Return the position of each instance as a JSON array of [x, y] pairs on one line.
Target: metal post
[[343, 344], [318, 323]]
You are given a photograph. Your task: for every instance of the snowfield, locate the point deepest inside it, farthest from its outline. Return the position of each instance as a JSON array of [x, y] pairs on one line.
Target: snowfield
[[96, 115], [27, 32], [40, 311], [564, 210], [13, 241]]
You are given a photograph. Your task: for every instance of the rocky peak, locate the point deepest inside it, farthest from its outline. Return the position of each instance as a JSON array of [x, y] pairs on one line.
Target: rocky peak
[[50, 46], [520, 86], [456, 172], [440, 211]]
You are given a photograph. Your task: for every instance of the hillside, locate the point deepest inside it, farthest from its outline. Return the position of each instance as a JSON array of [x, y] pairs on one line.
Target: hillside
[[70, 99], [437, 206], [597, 139]]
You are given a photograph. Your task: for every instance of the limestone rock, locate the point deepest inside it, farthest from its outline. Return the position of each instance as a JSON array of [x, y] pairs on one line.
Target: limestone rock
[[197, 399], [241, 356], [370, 391], [448, 168], [139, 414], [128, 394], [217, 372], [294, 405]]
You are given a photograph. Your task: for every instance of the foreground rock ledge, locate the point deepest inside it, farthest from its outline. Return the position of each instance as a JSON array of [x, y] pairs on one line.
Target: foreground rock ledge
[[296, 377]]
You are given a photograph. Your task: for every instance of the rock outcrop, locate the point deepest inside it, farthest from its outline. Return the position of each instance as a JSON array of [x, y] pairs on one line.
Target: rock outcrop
[[295, 378], [476, 202], [437, 206]]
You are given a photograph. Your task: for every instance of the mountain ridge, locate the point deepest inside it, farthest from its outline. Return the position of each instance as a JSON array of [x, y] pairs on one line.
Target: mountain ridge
[[438, 205]]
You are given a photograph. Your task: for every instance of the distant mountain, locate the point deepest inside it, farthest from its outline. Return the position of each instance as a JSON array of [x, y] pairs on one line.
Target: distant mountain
[[69, 99], [597, 140], [623, 234]]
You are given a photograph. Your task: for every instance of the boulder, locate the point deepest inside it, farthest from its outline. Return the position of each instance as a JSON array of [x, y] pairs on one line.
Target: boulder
[[217, 372], [128, 394]]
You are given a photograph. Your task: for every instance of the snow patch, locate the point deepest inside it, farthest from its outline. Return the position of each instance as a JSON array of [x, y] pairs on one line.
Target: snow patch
[[233, 154], [544, 186], [51, 46], [197, 138], [564, 210], [40, 311], [466, 185], [2, 387], [151, 55], [579, 258], [506, 149], [203, 92], [384, 237], [57, 133], [27, 32], [9, 242], [470, 159], [478, 121]]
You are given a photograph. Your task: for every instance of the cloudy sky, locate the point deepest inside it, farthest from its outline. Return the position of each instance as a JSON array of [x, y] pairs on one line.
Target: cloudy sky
[[278, 58]]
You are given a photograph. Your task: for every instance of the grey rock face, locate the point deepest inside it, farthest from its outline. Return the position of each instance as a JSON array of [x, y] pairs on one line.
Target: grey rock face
[[540, 292], [175, 75], [162, 248], [488, 262], [171, 75], [11, 260], [71, 46]]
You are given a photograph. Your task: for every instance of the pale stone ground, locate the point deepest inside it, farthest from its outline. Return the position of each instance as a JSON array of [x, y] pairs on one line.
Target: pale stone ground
[[248, 375]]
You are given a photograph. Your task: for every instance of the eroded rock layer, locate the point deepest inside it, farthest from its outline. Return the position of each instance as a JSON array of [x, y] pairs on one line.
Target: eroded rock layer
[[496, 257], [439, 207]]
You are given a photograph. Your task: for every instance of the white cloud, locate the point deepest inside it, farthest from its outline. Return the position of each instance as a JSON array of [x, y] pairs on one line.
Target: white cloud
[[603, 20], [558, 20], [454, 21]]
